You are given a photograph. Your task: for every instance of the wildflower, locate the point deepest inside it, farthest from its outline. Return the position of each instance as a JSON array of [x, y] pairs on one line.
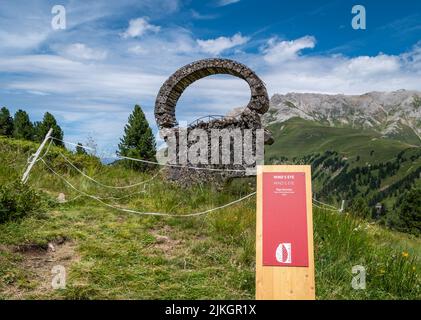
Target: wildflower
[[405, 254], [413, 268]]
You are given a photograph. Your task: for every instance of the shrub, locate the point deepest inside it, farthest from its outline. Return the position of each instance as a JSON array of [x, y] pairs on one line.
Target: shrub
[[17, 201]]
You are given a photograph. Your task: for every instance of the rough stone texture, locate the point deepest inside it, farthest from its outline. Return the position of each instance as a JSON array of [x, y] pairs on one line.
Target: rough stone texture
[[173, 88], [249, 118]]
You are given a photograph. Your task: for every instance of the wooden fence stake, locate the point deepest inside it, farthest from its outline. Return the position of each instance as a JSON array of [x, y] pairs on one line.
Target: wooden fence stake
[[35, 157]]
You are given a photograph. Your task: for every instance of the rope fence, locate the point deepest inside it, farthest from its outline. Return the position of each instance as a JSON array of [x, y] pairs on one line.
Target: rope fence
[[105, 185], [145, 213], [101, 200], [324, 204], [157, 163]]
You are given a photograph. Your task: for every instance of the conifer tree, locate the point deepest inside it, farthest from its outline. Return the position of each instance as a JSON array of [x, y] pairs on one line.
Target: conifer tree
[[42, 129], [22, 126], [138, 141], [410, 213], [6, 123]]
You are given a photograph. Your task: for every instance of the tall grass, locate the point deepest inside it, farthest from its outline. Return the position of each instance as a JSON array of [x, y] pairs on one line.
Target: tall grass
[[208, 257], [343, 241]]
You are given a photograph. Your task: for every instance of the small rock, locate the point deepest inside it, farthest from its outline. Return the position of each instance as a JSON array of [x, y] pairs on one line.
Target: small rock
[[51, 247], [161, 239], [61, 198]]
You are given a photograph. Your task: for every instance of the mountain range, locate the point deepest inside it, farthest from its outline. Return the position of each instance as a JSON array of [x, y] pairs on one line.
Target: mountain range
[[365, 149], [395, 115]]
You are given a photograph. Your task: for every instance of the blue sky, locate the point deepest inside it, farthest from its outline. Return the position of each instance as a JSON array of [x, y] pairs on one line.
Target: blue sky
[[114, 54]]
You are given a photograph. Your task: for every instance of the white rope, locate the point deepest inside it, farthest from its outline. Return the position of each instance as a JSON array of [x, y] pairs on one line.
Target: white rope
[[179, 165], [46, 151], [327, 205], [334, 209], [105, 185], [73, 199], [146, 213], [73, 144], [324, 208], [106, 198], [157, 163]]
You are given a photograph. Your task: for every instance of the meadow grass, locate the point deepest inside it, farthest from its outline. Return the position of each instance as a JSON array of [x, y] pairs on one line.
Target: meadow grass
[[117, 255]]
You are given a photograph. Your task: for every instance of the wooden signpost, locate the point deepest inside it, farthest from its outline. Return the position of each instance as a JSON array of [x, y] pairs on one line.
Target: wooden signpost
[[284, 234]]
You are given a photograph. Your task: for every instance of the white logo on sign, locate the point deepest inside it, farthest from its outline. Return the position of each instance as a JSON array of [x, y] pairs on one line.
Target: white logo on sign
[[283, 253]]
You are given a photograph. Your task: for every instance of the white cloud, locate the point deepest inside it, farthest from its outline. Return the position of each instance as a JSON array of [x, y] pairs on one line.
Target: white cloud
[[164, 51], [222, 3], [218, 45], [200, 16], [61, 76], [138, 27], [340, 74], [365, 65], [279, 51], [413, 57], [138, 49], [82, 51], [22, 40]]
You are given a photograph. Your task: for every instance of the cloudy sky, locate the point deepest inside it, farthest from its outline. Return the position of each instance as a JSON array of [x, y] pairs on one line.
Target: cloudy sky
[[115, 54]]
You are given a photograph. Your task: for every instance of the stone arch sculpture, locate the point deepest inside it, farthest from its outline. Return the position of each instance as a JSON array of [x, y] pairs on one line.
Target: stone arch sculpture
[[249, 118], [175, 85]]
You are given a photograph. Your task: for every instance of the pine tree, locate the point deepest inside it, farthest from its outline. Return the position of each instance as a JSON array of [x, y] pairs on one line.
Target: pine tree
[[37, 131], [410, 213], [138, 141], [49, 122], [22, 126], [6, 123]]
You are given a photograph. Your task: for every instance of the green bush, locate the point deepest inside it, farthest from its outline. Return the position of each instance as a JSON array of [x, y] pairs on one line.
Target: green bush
[[17, 201]]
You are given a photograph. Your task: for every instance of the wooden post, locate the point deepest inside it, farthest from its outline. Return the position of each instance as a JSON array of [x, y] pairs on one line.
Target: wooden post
[[291, 275], [342, 207], [35, 156]]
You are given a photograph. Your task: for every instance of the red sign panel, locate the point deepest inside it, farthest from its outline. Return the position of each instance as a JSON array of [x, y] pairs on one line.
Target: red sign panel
[[284, 219]]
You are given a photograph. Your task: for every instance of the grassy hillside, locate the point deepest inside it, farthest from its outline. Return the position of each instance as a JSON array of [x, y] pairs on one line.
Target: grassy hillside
[[298, 137], [349, 164], [116, 255]]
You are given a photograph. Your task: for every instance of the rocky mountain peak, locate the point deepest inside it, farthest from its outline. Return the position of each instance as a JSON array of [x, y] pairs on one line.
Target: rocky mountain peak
[[391, 113]]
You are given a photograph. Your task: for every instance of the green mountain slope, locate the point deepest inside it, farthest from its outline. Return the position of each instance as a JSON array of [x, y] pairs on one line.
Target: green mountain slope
[[298, 137], [349, 164]]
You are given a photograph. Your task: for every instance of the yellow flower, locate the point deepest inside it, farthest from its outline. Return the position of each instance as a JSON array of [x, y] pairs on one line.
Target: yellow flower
[[413, 268], [405, 254], [382, 271]]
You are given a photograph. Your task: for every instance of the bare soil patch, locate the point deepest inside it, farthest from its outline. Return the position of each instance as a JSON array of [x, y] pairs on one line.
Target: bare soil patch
[[38, 261]]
